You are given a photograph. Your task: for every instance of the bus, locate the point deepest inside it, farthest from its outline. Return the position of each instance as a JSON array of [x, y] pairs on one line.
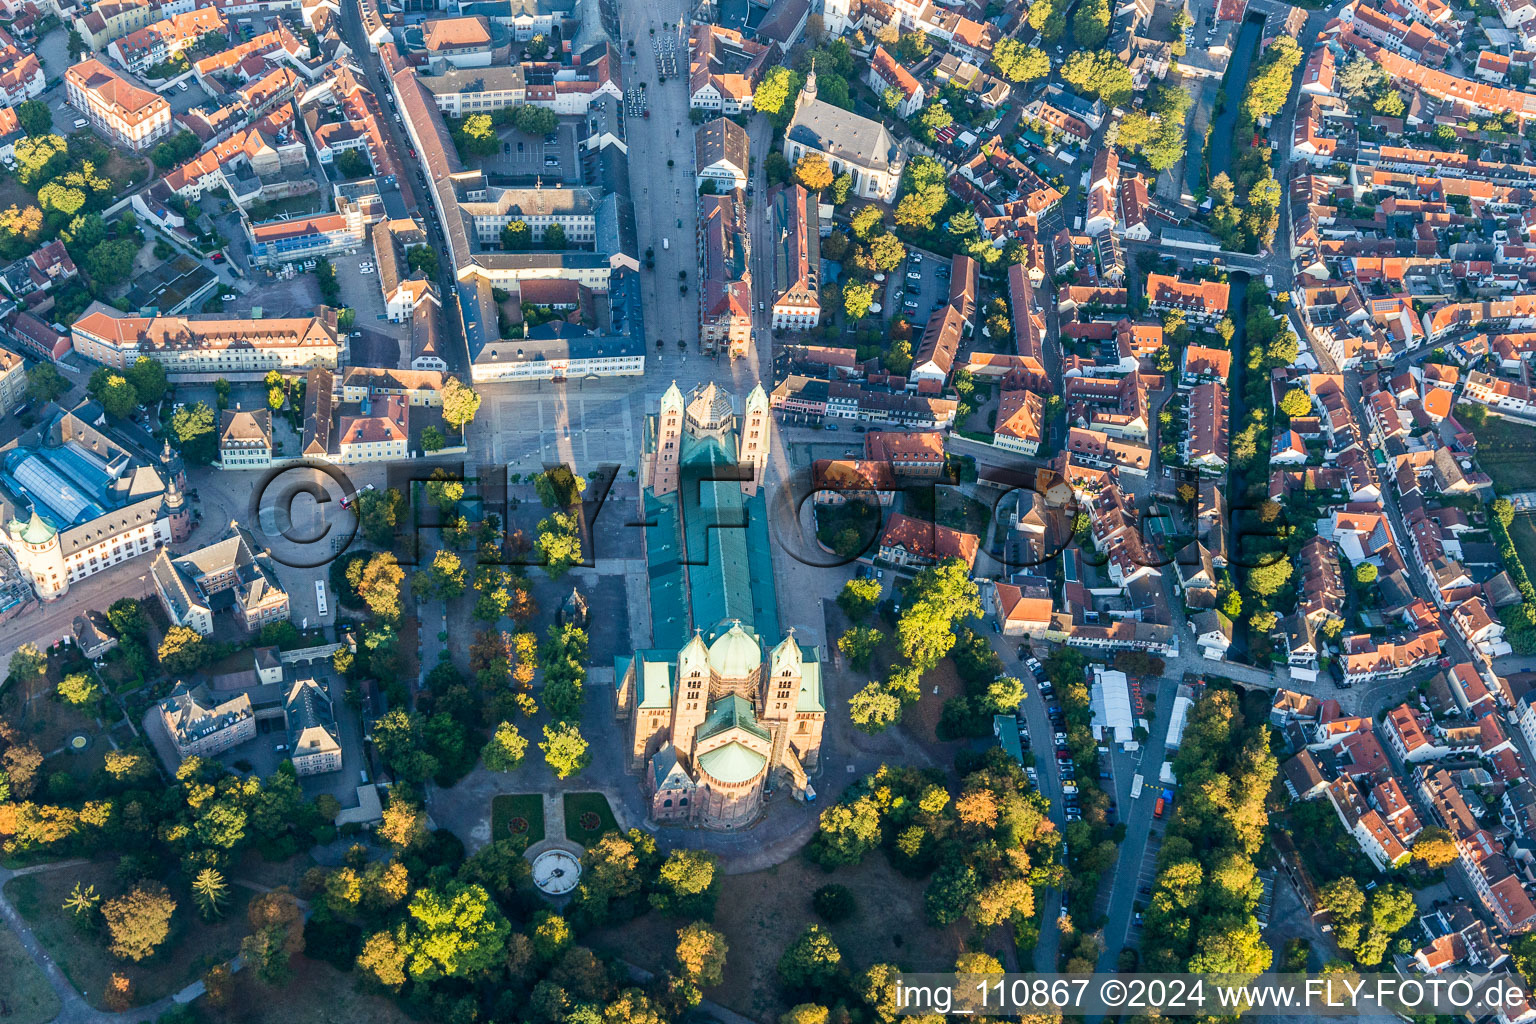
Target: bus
[[320, 597]]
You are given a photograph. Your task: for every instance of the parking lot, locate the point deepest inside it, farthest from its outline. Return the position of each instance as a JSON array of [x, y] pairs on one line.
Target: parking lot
[[525, 157], [917, 297]]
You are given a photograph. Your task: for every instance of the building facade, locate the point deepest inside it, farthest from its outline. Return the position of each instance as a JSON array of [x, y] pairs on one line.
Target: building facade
[[200, 725], [185, 346], [126, 114]]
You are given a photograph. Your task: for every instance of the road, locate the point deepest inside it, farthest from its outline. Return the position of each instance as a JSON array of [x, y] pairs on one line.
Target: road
[[45, 624], [455, 351], [661, 172], [1038, 721], [1119, 897]]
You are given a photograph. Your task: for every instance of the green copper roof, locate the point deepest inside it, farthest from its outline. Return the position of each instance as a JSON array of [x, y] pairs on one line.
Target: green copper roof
[[735, 655], [732, 763], [733, 712], [654, 679], [36, 531], [664, 572], [1006, 729], [810, 698]]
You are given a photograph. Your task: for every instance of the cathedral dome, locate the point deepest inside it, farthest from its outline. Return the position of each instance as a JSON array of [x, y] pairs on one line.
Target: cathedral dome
[[735, 655]]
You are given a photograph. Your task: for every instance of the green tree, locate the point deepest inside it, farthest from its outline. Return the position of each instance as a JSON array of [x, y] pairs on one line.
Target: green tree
[[210, 892], [424, 259], [1090, 23], [858, 645], [1019, 63], [846, 833], [565, 750], [554, 238], [516, 236], [1099, 73], [82, 900], [60, 198], [476, 136], [775, 94], [1296, 402], [34, 117], [455, 931], [1266, 580], [913, 47], [79, 689], [460, 403], [148, 379], [812, 961], [113, 391], [110, 262], [938, 597], [505, 750], [193, 426], [27, 661], [687, 884], [1365, 574], [1435, 847], [874, 708], [40, 158], [535, 120], [864, 221], [1504, 512], [887, 252], [181, 650], [859, 597], [857, 299], [559, 542], [1270, 82], [949, 895], [45, 383], [377, 580]]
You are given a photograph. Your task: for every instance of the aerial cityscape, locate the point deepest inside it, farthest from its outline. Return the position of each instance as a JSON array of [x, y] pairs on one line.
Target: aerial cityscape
[[1030, 487]]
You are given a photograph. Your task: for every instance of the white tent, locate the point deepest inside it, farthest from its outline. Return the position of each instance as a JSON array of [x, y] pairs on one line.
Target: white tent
[[1110, 702]]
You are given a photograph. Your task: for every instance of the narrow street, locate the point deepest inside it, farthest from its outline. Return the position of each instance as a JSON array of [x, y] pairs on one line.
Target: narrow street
[[456, 351]]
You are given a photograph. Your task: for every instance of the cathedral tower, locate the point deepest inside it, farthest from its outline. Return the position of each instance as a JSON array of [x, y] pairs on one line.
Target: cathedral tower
[[752, 457], [662, 478]]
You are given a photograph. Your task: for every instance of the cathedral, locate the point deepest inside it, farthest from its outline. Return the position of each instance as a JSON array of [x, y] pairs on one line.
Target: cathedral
[[722, 708]]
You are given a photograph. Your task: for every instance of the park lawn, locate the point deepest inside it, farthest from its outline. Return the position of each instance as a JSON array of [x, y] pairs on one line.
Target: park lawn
[[528, 806], [1507, 452], [316, 994], [26, 997], [192, 947], [578, 804], [761, 913]]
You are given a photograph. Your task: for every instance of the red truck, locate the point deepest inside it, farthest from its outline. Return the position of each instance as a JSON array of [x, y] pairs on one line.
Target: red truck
[[1157, 812]]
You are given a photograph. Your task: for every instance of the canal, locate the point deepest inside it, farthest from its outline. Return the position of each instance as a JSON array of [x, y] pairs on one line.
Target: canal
[[1235, 83]]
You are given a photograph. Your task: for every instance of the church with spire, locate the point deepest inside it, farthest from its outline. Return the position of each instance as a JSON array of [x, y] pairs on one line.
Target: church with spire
[[723, 708], [852, 144], [77, 499]]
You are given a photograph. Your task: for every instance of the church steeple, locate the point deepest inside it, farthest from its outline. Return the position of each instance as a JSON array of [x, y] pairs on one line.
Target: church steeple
[[808, 91]]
